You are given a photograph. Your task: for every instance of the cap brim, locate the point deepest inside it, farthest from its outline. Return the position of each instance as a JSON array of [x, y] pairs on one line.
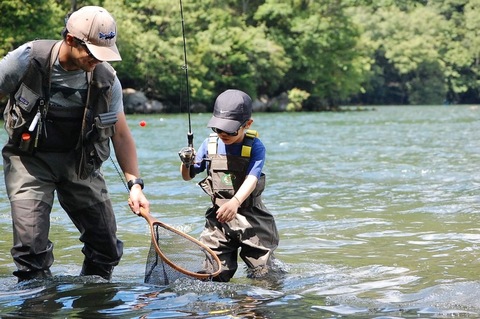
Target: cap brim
[[104, 53], [228, 126]]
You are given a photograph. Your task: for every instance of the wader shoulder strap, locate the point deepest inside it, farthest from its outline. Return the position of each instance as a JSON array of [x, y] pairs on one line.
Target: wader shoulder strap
[[85, 110], [37, 77], [212, 144], [53, 58], [44, 51], [250, 135]]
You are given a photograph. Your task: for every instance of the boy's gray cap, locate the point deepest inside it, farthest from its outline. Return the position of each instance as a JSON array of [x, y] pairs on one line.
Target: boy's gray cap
[[231, 110]]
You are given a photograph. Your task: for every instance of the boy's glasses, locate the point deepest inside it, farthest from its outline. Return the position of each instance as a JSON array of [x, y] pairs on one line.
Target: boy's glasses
[[219, 131]]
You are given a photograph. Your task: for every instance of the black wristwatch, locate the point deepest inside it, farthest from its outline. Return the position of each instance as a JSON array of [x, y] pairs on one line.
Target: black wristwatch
[[132, 182]]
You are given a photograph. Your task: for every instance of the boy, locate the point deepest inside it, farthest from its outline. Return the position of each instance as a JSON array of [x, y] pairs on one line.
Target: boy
[[234, 157]]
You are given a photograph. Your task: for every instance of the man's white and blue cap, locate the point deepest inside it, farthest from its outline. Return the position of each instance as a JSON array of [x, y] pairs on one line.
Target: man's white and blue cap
[[97, 28]]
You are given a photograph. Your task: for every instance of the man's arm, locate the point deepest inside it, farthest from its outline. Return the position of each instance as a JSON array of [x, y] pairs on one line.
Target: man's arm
[[126, 153], [12, 68]]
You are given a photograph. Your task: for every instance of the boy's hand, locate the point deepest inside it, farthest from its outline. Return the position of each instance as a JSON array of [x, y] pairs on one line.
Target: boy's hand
[[226, 213], [187, 156]]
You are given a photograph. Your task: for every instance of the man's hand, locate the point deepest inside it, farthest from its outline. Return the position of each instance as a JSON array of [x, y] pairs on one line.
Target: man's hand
[[137, 200], [187, 156]]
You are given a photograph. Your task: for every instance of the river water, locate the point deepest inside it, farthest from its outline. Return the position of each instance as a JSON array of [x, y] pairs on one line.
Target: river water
[[378, 212]]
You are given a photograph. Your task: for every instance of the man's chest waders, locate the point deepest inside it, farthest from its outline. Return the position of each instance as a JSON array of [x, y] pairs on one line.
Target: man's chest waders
[[61, 160]]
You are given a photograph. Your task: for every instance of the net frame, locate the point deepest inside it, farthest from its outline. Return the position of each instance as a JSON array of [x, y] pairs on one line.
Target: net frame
[[156, 227]]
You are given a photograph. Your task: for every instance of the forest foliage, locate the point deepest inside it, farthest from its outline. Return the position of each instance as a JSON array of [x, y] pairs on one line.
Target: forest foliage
[[321, 53]]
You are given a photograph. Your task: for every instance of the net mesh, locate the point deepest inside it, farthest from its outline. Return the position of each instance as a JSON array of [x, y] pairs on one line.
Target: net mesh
[[182, 252]]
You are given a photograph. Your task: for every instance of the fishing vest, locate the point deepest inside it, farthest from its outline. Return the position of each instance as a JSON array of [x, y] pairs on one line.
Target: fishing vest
[[34, 124], [226, 173]]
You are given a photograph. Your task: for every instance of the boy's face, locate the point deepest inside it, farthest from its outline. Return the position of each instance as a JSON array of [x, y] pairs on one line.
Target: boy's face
[[232, 138], [229, 139]]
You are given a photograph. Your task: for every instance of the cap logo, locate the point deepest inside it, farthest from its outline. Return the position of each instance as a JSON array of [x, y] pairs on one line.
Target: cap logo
[[107, 36]]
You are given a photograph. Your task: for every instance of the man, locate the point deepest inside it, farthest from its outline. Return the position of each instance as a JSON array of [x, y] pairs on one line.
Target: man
[[65, 106]]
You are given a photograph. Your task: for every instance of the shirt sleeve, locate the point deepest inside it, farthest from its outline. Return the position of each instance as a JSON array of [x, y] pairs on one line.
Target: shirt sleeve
[[12, 68], [200, 156], [257, 158], [116, 104]]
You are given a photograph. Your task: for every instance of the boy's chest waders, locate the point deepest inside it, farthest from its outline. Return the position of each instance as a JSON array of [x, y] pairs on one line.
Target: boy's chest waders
[[226, 173]]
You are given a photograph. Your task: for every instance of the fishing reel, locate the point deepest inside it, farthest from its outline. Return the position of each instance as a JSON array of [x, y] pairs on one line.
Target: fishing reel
[[187, 156]]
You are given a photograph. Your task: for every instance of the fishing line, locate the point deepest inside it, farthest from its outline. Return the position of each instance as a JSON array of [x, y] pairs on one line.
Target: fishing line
[[185, 68], [119, 174], [187, 89]]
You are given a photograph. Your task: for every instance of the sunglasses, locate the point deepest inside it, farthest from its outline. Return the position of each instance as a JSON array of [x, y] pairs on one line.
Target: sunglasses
[[84, 45], [219, 131]]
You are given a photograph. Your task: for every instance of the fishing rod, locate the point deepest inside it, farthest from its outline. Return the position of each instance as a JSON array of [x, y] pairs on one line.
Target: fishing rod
[[187, 154], [185, 68]]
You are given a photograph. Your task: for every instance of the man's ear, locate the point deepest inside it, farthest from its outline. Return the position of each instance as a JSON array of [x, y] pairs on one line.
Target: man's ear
[[249, 122], [70, 39]]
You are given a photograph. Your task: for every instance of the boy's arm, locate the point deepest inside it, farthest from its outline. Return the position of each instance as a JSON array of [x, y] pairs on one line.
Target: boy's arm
[[187, 172], [246, 189]]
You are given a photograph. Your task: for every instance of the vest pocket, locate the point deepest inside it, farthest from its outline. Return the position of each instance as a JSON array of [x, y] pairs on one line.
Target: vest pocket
[[103, 127], [90, 157], [25, 98], [96, 148], [20, 112]]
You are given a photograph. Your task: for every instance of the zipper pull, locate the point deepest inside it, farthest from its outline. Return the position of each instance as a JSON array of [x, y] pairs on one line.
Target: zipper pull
[[34, 122]]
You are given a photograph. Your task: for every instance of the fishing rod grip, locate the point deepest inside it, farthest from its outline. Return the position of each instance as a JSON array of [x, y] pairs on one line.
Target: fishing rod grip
[[190, 139]]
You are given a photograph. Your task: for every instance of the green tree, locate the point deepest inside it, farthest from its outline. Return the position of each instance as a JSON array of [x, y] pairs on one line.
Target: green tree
[[336, 51], [149, 40], [464, 54], [322, 41], [408, 51], [222, 50], [23, 21]]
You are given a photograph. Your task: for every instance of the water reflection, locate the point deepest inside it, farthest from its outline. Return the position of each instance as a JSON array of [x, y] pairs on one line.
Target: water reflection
[[71, 297], [89, 297]]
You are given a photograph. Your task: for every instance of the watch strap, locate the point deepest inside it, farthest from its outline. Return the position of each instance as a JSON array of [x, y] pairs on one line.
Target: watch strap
[[132, 182]]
